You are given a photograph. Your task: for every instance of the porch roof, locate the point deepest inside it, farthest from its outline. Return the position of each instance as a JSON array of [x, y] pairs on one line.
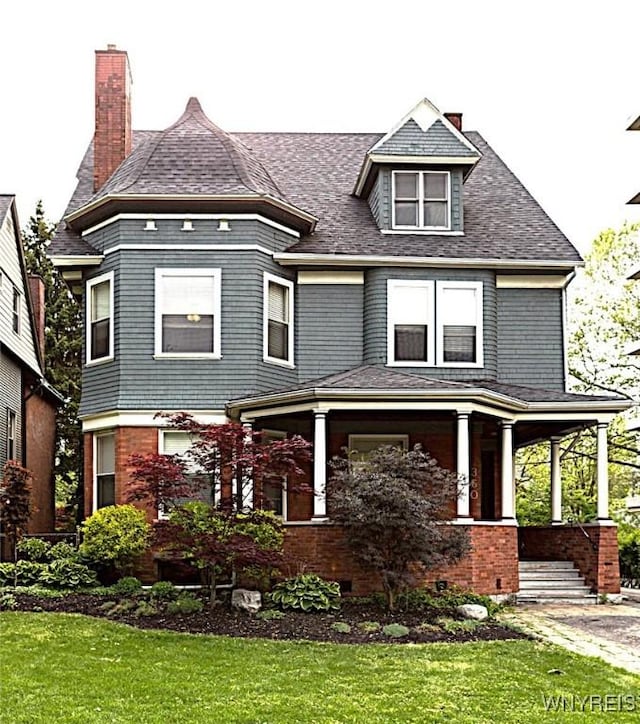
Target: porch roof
[[382, 386]]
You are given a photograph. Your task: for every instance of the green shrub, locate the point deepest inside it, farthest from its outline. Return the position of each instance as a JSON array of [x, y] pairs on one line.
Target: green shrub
[[453, 625], [270, 614], [123, 607], [341, 627], [34, 549], [7, 571], [369, 626], [164, 591], [629, 550], [39, 591], [145, 608], [395, 630], [419, 599], [185, 603], [63, 550], [65, 573], [29, 572], [307, 592], [115, 536], [7, 602], [127, 586]]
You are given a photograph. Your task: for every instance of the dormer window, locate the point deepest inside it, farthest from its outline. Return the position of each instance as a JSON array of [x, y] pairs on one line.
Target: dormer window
[[422, 200]]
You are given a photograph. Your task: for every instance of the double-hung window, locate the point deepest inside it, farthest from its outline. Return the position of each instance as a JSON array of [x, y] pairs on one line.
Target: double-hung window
[[12, 430], [15, 310], [410, 322], [278, 320], [422, 200], [100, 318], [105, 470], [187, 313], [434, 323]]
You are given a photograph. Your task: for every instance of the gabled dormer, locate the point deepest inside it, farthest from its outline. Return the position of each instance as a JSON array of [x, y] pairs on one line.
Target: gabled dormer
[[413, 176]]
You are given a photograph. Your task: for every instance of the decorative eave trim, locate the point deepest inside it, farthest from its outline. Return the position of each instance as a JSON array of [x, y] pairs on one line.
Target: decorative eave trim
[[206, 217], [143, 418], [62, 261], [94, 206], [452, 397], [366, 260], [532, 281]]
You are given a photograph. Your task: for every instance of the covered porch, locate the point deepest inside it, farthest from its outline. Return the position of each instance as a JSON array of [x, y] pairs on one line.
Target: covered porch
[[471, 428]]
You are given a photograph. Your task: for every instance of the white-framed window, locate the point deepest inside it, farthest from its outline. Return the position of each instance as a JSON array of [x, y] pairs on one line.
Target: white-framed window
[[177, 442], [421, 200], [15, 311], [187, 313], [361, 446], [459, 324], [275, 495], [434, 323], [104, 466], [99, 303], [12, 434], [278, 320], [410, 322]]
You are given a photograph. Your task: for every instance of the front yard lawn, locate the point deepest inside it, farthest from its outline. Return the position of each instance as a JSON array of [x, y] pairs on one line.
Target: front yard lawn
[[70, 668]]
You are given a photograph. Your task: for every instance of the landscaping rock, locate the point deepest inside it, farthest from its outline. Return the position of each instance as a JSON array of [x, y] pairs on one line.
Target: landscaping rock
[[250, 601], [473, 611]]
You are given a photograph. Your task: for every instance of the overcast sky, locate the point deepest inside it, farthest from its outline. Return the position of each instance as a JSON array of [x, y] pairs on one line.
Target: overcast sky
[[550, 85]]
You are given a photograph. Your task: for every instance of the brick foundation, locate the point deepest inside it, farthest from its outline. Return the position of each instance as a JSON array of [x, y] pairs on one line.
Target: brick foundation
[[598, 563], [490, 568]]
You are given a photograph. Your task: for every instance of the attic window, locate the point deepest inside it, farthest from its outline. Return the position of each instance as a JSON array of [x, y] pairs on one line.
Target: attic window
[[422, 200]]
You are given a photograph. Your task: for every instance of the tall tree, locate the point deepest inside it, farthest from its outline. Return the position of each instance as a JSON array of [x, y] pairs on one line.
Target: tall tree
[[62, 357], [604, 319]]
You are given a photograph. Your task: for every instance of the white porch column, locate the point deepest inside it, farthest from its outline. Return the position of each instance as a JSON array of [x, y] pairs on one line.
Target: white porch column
[[463, 466], [508, 478], [320, 465], [602, 472], [556, 482]]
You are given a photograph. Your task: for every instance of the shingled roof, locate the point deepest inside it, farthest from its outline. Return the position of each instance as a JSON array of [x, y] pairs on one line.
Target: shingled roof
[[316, 172]]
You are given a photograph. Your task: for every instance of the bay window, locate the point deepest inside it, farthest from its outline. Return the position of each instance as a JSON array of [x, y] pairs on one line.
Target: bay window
[[278, 320], [104, 456], [100, 318]]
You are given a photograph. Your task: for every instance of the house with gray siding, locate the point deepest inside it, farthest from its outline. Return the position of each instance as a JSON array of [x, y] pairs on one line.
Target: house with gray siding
[[27, 402], [358, 289]]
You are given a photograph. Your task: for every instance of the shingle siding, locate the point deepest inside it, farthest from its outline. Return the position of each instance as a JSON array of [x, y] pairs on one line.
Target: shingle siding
[[375, 319], [330, 331], [530, 337], [135, 380], [437, 140]]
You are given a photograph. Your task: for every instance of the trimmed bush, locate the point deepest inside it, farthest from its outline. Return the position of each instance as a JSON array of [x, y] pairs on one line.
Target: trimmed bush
[[307, 592], [341, 627], [115, 536], [395, 630], [164, 591], [127, 586], [185, 603], [369, 626]]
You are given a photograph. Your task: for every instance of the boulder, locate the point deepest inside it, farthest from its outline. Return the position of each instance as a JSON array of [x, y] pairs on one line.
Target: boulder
[[473, 610], [250, 601]]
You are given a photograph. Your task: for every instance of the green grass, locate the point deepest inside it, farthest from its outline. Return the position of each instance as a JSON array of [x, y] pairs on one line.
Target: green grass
[[69, 668]]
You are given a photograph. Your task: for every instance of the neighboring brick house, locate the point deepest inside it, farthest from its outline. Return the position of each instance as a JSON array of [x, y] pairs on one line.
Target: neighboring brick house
[[27, 402], [356, 288]]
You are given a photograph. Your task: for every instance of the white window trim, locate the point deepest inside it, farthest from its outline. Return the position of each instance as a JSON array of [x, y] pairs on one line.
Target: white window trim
[[420, 226], [477, 287], [378, 437], [94, 466], [160, 272], [108, 277], [289, 362], [391, 353], [12, 416], [16, 294], [279, 435]]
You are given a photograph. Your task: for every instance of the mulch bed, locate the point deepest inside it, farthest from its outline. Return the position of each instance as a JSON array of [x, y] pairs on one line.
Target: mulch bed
[[222, 620]]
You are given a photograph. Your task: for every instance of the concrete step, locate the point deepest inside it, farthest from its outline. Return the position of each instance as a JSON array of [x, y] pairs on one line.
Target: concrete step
[[590, 599], [546, 565], [563, 585], [550, 575]]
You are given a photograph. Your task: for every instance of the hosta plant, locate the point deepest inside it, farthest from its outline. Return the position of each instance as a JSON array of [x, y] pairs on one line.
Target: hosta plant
[[307, 592]]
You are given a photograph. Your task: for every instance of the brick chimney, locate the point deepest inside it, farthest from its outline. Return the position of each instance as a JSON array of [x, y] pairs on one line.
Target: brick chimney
[[36, 292], [112, 138], [455, 119]]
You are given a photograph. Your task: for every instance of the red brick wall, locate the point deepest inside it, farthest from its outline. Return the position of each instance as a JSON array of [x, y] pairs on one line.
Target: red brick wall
[[40, 454], [600, 567], [322, 549], [112, 140]]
